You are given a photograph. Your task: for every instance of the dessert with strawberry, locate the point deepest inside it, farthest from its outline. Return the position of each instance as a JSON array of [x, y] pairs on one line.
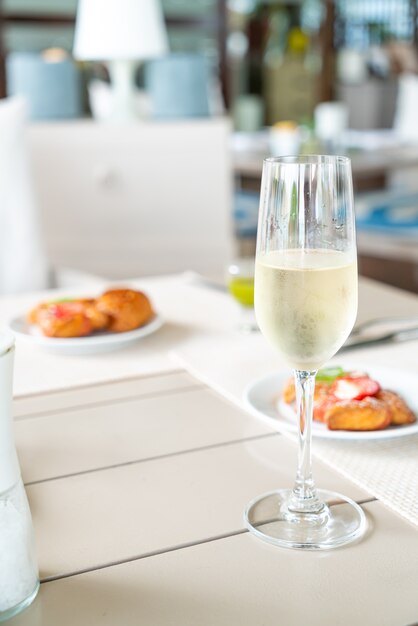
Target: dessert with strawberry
[[353, 401]]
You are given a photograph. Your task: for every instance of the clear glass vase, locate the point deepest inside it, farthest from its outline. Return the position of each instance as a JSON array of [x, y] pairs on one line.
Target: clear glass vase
[[19, 580]]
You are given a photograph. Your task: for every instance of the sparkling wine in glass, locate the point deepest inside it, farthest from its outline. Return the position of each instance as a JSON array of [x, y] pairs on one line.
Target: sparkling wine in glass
[[306, 305]]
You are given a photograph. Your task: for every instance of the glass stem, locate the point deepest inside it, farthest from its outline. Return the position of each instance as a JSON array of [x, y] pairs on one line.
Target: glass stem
[[304, 498]]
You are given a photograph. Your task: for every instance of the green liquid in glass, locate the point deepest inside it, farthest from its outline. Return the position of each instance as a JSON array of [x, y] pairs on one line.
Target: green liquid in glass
[[242, 289]]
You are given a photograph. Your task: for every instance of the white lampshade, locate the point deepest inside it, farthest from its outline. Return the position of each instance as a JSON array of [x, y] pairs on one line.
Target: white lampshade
[[119, 29]]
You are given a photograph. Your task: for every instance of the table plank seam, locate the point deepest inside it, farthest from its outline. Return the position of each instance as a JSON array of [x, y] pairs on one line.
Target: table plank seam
[[158, 457], [144, 555], [111, 402], [104, 383], [161, 551]]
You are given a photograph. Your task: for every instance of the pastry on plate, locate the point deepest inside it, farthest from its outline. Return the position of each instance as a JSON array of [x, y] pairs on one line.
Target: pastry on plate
[[366, 414], [400, 413], [353, 401], [62, 319], [99, 320], [127, 309], [116, 310]]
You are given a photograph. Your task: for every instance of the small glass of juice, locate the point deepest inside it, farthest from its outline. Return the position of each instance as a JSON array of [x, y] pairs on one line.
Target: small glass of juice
[[240, 280]]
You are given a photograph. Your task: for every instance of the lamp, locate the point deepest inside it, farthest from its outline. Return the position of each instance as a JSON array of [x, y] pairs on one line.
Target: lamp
[[120, 32]]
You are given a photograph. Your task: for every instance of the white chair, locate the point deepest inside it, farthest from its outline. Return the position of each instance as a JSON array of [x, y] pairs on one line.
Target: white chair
[[23, 263], [405, 122], [125, 200]]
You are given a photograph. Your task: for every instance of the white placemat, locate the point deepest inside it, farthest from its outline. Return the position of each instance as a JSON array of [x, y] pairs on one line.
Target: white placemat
[[387, 469]]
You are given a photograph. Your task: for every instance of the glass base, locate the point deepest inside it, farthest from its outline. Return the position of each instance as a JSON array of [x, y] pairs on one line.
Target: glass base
[[14, 610], [340, 521]]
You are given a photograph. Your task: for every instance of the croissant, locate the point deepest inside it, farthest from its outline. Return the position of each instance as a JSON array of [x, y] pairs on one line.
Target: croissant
[[367, 414]]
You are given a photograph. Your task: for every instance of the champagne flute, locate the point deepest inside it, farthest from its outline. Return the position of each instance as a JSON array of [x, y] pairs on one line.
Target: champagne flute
[[306, 305]]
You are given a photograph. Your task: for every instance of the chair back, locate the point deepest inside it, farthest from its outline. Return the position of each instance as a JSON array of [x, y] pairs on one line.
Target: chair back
[[126, 200], [405, 122], [23, 265], [178, 86]]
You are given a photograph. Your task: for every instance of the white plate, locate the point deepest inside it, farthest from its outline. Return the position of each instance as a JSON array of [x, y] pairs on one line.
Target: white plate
[[263, 400], [92, 344]]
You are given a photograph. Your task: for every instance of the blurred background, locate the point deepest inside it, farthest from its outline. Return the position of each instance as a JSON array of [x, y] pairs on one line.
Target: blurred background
[[146, 122]]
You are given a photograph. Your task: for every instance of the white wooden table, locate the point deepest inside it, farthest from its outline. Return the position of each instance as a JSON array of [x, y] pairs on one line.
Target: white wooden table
[[138, 473]]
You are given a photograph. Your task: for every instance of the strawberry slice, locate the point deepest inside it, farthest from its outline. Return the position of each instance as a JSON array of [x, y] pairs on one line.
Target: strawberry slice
[[354, 388]]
